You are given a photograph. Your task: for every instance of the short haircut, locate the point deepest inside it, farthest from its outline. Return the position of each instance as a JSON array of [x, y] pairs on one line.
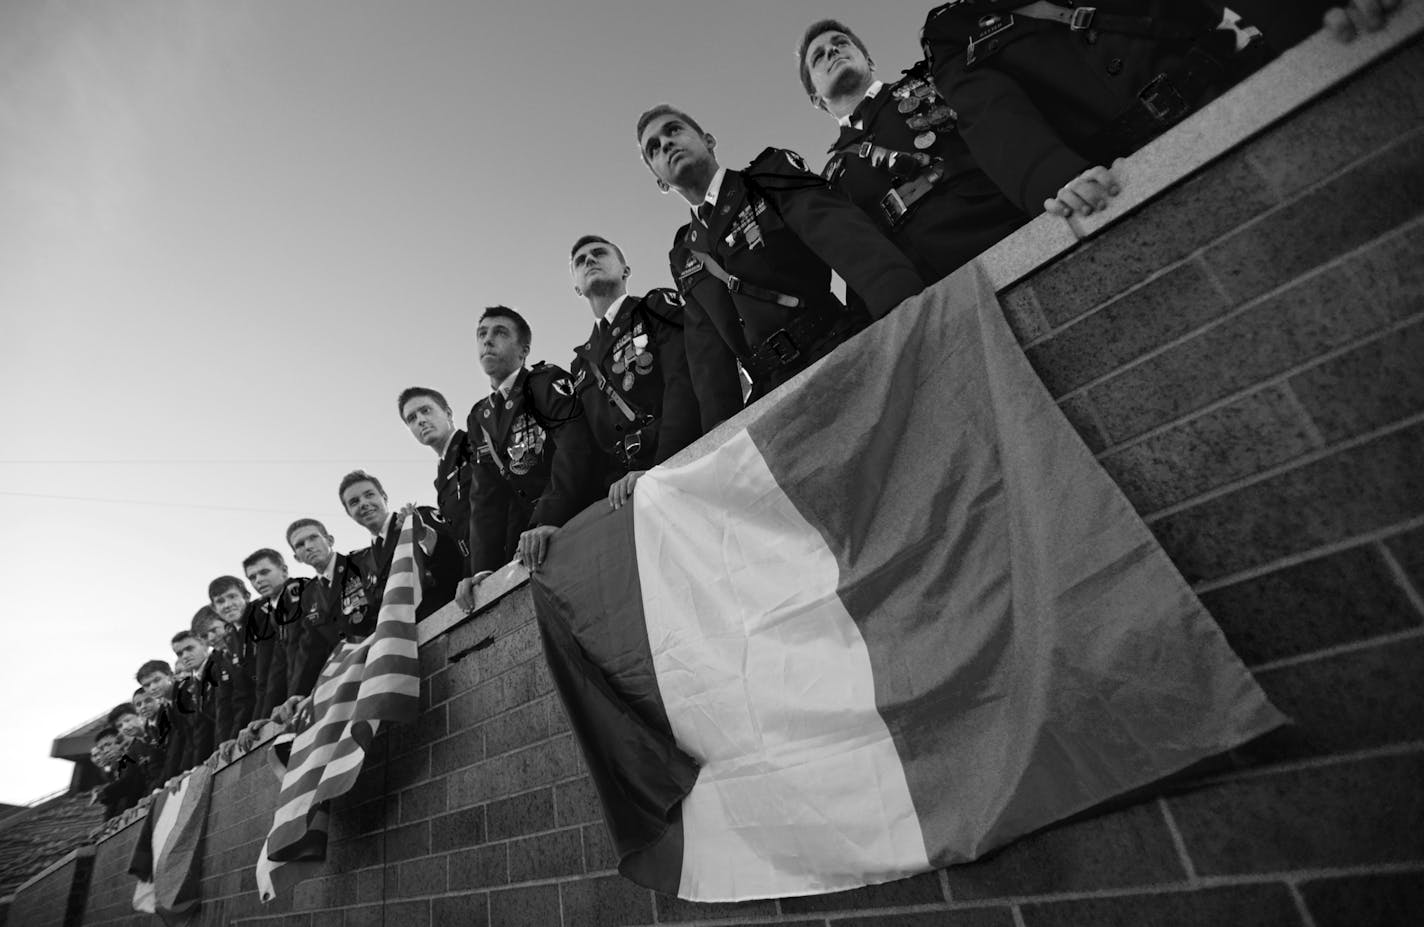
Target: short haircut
[[184, 635], [412, 392], [153, 666], [137, 692], [663, 109], [223, 583], [526, 335], [590, 239], [263, 553], [119, 711], [109, 731], [819, 28], [201, 617], [358, 476], [306, 523]]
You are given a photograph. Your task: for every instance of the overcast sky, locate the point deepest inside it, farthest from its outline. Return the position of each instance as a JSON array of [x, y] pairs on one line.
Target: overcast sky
[[231, 233]]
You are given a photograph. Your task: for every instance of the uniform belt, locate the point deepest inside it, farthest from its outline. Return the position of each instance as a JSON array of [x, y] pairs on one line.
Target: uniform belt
[[1166, 99], [805, 334], [1083, 18], [736, 284]]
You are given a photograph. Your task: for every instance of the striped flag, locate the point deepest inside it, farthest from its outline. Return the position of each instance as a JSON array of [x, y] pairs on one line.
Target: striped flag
[[897, 619], [166, 858], [361, 685]]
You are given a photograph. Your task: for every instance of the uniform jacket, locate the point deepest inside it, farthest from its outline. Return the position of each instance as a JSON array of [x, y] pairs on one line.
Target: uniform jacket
[[452, 490], [326, 611], [269, 627], [641, 358], [440, 570], [514, 442], [236, 697], [780, 227], [1036, 96], [961, 216]]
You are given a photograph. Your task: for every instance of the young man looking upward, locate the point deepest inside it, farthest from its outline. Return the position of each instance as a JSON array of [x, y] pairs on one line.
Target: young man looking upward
[[428, 416]]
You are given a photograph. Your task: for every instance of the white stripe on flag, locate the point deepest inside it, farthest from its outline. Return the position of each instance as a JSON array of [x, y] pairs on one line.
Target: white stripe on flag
[[801, 788]]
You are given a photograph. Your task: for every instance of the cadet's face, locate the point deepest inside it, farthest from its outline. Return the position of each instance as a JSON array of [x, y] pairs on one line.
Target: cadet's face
[[215, 634], [835, 64], [310, 546], [191, 653], [266, 577], [500, 351], [130, 726], [596, 266], [105, 752], [365, 505], [430, 424], [674, 150], [146, 705], [229, 605], [157, 684]]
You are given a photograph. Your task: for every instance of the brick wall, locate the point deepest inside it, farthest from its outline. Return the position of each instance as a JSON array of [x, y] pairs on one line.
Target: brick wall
[[1244, 354]]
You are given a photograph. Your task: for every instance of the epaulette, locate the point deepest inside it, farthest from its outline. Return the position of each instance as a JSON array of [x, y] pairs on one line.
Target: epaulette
[[672, 304], [780, 169]]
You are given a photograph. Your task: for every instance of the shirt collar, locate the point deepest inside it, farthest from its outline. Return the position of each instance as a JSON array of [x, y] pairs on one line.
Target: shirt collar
[[449, 439], [329, 574], [613, 308], [869, 95], [507, 384], [714, 190]]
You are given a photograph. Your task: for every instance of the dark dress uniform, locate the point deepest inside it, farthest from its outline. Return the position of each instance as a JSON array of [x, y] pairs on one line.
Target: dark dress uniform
[[327, 611], [440, 571], [755, 271], [513, 442], [271, 625], [908, 169], [636, 400], [236, 686], [452, 490], [1041, 100]]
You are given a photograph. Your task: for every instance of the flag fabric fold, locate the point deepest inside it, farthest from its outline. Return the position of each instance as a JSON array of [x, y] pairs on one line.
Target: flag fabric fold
[[362, 685], [168, 857], [898, 619]]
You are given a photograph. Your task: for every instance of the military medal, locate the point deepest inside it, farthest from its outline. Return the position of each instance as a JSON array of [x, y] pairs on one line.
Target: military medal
[[908, 105], [925, 140]]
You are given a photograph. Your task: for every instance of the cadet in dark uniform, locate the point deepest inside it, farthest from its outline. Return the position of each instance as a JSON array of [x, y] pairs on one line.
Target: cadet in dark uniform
[[1048, 93], [269, 623], [754, 264], [428, 416], [440, 563], [333, 601], [633, 390], [899, 156], [512, 435], [235, 679]]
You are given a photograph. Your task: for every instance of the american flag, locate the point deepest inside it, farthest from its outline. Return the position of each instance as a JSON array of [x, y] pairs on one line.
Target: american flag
[[361, 685]]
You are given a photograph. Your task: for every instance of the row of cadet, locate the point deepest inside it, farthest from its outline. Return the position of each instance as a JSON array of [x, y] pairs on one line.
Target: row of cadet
[[1016, 108]]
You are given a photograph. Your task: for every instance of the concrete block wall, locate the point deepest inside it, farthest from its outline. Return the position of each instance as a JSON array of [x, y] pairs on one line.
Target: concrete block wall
[[1244, 355]]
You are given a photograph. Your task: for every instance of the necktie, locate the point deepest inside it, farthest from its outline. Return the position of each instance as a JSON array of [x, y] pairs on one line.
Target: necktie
[[704, 213]]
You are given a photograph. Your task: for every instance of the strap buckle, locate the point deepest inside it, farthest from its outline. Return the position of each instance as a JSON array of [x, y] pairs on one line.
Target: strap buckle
[[1162, 100], [734, 283], [629, 447], [783, 346], [893, 205], [1082, 18]]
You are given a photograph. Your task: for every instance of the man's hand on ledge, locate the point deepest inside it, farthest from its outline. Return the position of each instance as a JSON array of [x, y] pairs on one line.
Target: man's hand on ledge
[[534, 546], [247, 737], [465, 592], [282, 714], [1084, 195], [621, 492], [1347, 21]]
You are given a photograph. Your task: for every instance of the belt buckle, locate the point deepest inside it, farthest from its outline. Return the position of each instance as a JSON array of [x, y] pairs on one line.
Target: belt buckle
[[734, 283], [1082, 18], [783, 346], [631, 445], [893, 206], [1162, 100]]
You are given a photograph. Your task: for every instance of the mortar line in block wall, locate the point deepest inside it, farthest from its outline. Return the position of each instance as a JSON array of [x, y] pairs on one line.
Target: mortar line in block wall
[[1336, 650], [1402, 578], [1301, 908], [1315, 553], [1246, 773], [1017, 913], [1248, 305], [1312, 430], [1180, 844], [1295, 463]]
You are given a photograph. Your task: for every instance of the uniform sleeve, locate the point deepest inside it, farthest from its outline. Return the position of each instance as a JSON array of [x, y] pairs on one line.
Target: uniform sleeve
[[573, 477], [711, 363], [680, 422], [489, 515], [838, 232]]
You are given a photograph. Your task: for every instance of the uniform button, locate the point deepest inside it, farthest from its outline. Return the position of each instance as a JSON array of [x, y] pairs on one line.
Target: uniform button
[[1115, 67]]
